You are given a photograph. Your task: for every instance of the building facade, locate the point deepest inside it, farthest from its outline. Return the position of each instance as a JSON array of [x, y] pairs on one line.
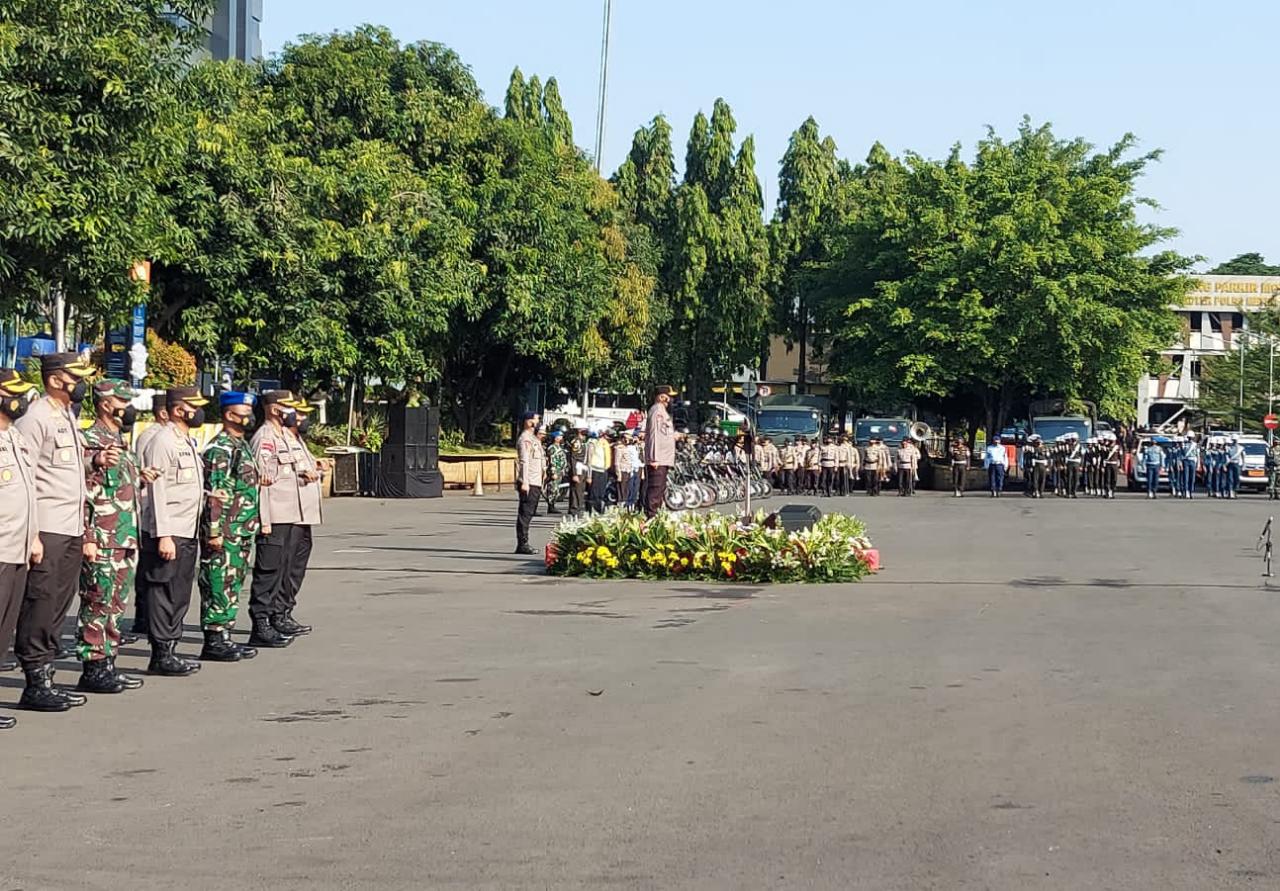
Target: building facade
[[1215, 320], [235, 30]]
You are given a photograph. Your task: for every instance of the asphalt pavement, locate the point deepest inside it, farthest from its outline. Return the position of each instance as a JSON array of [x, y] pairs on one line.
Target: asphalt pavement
[[1032, 695]]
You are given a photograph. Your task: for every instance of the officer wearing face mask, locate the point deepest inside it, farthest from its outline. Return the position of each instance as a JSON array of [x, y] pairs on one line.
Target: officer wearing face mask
[[280, 456], [106, 581], [310, 476], [171, 520], [20, 545], [51, 429], [228, 525]]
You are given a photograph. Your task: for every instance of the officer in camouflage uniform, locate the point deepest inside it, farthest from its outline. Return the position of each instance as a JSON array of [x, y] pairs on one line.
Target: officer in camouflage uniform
[[228, 525], [106, 580]]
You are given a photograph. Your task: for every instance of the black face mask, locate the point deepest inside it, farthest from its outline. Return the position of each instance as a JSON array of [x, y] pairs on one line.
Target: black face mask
[[290, 420], [303, 426], [14, 407], [78, 392], [197, 419], [239, 425], [126, 417]]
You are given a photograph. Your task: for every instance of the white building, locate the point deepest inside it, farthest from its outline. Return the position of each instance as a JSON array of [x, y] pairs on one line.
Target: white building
[[1213, 316]]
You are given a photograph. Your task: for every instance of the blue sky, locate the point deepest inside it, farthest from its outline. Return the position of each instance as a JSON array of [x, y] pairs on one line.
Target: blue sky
[[1197, 79]]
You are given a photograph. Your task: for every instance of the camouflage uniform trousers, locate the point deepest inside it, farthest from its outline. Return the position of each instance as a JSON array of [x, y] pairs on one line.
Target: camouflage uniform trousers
[[222, 577], [105, 585]]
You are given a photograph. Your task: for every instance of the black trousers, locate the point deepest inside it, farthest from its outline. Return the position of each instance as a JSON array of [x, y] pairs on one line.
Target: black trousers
[[906, 481], [51, 587], [828, 480], [1109, 475], [656, 492], [597, 495], [13, 584], [1038, 474], [1073, 479], [270, 571], [957, 476], [298, 555], [873, 482], [528, 507], [168, 585], [577, 494]]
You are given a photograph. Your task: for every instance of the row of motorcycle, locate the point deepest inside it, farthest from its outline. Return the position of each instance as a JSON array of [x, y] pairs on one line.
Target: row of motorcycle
[[704, 475]]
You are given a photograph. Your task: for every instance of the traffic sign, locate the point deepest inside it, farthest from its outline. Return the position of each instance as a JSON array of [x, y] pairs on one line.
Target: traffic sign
[[749, 389], [764, 390], [1271, 422]]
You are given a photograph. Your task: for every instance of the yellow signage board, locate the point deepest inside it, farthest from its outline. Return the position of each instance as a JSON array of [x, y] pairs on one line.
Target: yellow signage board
[[1246, 293]]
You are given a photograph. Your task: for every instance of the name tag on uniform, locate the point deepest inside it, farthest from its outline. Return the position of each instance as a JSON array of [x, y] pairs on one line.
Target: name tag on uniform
[[63, 447], [186, 468]]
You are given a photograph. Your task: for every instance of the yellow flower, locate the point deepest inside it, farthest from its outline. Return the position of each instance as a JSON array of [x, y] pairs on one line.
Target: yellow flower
[[726, 567], [684, 561], [602, 551]]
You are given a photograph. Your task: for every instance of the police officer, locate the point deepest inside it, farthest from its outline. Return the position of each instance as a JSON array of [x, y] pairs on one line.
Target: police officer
[[310, 473], [279, 458], [875, 465], [171, 520], [1190, 464], [959, 453], [1074, 460], [52, 434], [788, 457], [20, 545], [577, 449], [106, 582], [1273, 480], [138, 628], [531, 471], [1111, 458], [229, 522], [828, 458], [1038, 454]]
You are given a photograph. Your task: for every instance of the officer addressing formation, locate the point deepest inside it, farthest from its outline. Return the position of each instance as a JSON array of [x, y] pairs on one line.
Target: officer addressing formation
[[80, 512]]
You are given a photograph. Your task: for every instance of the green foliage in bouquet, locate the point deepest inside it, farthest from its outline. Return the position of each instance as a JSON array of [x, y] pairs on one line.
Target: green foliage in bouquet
[[710, 547]]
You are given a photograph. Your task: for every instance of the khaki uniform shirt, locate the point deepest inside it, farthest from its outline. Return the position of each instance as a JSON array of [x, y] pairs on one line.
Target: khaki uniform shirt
[[829, 455], [57, 451], [173, 506], [532, 460], [310, 494], [19, 516], [283, 458]]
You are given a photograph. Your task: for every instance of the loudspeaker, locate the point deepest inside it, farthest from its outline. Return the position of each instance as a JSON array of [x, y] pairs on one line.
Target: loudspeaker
[[411, 484], [346, 471], [413, 426], [398, 458], [795, 517]]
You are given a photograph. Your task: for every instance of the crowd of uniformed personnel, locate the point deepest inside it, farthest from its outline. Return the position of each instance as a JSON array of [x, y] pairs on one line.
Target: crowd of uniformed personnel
[[84, 512]]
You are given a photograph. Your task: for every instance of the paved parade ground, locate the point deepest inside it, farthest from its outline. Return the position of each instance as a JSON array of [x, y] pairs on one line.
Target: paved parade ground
[[1031, 695]]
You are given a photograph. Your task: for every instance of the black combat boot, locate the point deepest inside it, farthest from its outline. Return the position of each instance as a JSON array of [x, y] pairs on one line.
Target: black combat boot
[[288, 626], [246, 651], [7, 723], [219, 648], [98, 676], [128, 637], [130, 681], [9, 663], [264, 635], [73, 699], [167, 663], [40, 695]]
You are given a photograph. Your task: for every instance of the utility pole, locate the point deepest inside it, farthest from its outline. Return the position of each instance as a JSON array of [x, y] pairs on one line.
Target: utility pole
[[604, 83], [600, 107]]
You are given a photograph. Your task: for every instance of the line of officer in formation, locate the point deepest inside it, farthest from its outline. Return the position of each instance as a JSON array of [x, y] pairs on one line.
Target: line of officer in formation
[[805, 467], [82, 512]]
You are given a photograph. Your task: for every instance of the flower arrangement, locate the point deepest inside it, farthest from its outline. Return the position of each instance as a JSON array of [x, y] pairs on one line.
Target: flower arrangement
[[709, 547]]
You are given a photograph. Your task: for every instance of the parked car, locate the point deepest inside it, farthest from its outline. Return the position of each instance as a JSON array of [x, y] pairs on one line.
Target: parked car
[[1138, 471], [1254, 473]]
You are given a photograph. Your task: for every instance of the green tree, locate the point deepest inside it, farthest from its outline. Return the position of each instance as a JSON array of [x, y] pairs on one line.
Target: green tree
[[1246, 264], [808, 191], [87, 109], [1022, 274], [716, 257], [1220, 390]]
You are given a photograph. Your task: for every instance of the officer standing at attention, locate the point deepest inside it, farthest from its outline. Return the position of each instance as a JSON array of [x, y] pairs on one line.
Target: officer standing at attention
[[1190, 464], [20, 545], [310, 474], [138, 628], [52, 434], [874, 466], [228, 524], [828, 458], [1110, 465], [280, 506], [170, 549], [531, 470], [959, 466], [908, 462], [1038, 454], [106, 582]]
